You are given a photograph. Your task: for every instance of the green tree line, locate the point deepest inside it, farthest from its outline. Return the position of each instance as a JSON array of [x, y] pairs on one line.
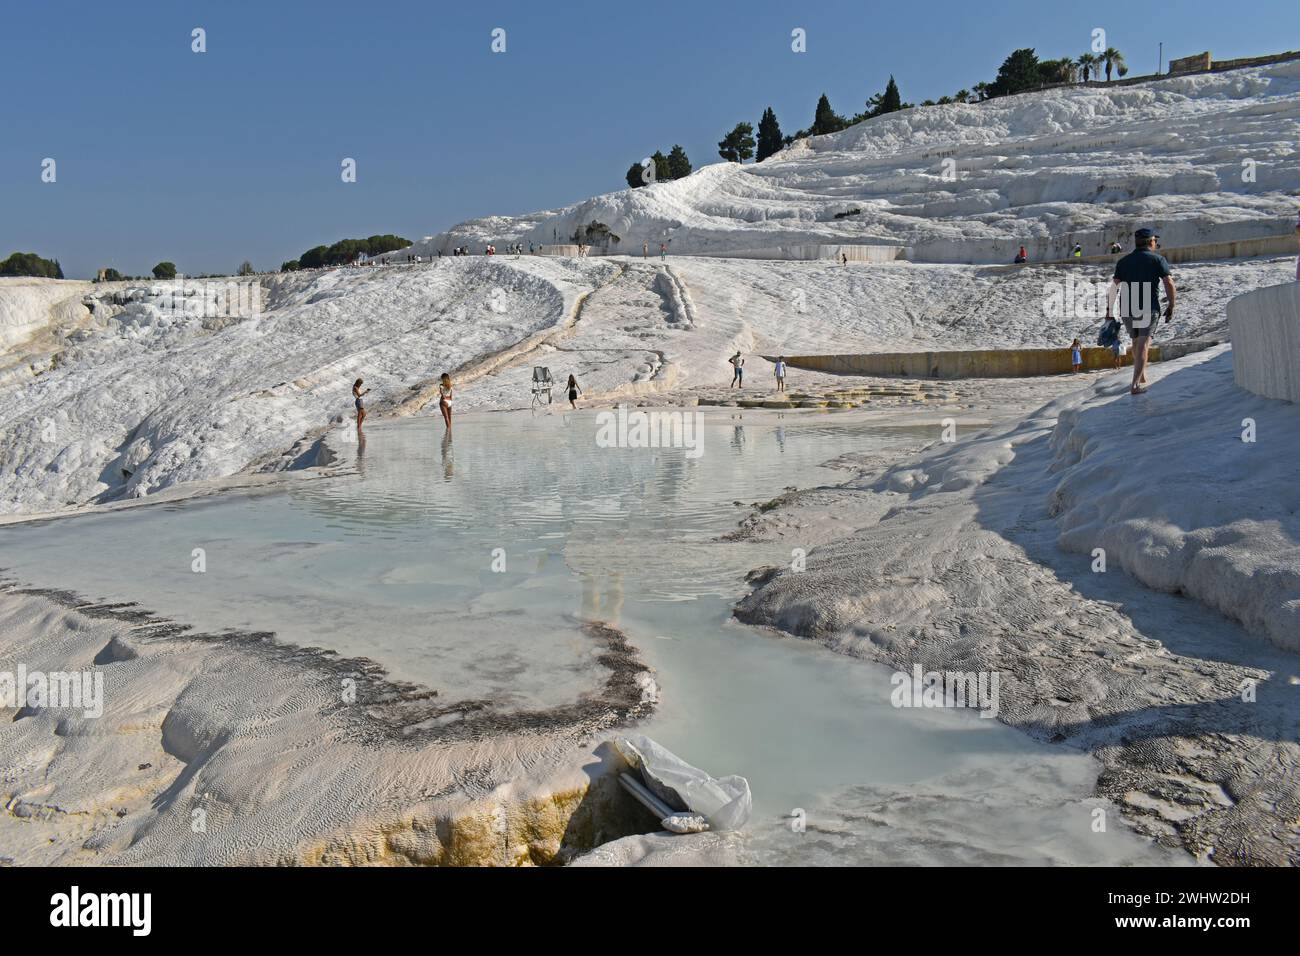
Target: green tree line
[[30, 264], [344, 251]]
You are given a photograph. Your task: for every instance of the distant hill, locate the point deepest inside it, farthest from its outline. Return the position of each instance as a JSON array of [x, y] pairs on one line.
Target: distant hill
[[1205, 157]]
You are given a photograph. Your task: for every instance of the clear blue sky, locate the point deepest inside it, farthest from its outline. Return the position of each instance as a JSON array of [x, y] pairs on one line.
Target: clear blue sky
[[209, 159]]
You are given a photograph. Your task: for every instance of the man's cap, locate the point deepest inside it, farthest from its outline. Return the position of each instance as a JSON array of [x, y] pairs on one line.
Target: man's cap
[[1142, 235]]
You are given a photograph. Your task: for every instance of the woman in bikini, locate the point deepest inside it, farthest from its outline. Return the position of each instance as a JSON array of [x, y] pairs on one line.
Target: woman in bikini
[[574, 391], [357, 392], [444, 398]]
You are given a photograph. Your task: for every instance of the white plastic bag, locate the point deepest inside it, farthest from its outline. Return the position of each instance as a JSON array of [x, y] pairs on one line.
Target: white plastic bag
[[725, 802]]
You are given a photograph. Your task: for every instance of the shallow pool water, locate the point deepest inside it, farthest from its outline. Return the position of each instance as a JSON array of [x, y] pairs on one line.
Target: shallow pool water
[[468, 565]]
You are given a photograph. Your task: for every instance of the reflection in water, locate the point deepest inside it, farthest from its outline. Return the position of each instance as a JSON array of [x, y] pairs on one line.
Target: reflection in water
[[602, 597], [448, 459], [780, 437]]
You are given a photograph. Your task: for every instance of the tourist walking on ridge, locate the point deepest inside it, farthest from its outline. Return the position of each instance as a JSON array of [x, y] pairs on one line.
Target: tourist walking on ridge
[[444, 398], [356, 401], [779, 371], [574, 391], [645, 250], [663, 251], [738, 371], [1076, 355], [1137, 281]]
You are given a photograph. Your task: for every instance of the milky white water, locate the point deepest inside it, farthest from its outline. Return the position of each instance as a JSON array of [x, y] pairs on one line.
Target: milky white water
[[467, 566]]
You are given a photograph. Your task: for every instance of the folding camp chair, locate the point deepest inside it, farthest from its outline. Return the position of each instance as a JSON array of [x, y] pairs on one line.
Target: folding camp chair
[[542, 384]]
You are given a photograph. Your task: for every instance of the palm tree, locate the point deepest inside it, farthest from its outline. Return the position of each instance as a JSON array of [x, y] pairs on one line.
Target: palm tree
[[1114, 60], [963, 96], [981, 91], [1086, 64]]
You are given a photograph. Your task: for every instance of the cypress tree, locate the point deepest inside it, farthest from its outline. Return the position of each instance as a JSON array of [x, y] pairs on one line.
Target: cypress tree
[[892, 101], [662, 172], [679, 166], [769, 135], [826, 120]]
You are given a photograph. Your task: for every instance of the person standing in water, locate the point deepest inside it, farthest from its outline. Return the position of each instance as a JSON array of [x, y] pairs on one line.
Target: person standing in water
[[574, 391], [1076, 355], [444, 398], [780, 373], [357, 392]]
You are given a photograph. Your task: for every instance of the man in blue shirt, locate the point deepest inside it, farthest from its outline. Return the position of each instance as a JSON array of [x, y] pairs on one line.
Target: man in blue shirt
[[1138, 277]]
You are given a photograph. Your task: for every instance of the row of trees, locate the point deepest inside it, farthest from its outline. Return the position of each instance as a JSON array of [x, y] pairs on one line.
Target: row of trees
[[1111, 60], [30, 264], [1021, 71], [342, 252], [676, 165], [740, 144], [163, 270]]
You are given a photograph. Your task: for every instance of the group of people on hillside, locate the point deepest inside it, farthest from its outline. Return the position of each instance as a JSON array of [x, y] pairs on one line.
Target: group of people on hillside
[[1133, 302], [1022, 255]]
